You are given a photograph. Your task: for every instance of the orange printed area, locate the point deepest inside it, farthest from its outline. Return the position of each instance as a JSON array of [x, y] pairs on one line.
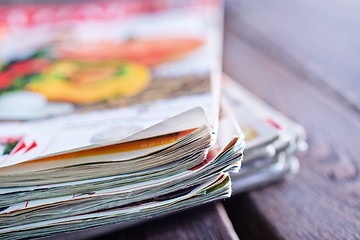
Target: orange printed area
[[121, 147], [250, 132], [150, 52]]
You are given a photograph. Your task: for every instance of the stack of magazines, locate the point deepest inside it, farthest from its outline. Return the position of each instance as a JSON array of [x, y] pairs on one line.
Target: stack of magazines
[[112, 112], [273, 141]]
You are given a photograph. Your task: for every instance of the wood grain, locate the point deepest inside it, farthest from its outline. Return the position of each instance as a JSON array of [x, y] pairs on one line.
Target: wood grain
[[250, 223], [322, 201], [206, 222]]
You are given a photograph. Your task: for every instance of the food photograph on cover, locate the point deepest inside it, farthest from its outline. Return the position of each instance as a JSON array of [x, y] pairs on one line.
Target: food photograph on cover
[[117, 59]]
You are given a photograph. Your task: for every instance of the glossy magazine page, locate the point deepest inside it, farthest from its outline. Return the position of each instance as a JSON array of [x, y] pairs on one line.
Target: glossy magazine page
[[142, 62]]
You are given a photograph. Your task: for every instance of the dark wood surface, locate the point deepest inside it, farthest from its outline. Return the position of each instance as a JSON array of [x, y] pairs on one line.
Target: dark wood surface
[[303, 59], [209, 221]]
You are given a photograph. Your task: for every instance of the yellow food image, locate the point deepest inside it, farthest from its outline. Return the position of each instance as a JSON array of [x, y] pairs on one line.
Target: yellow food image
[[249, 132], [90, 81]]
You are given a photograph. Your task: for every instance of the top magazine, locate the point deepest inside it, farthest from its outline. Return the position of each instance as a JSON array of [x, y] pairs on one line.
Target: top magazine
[[146, 60]]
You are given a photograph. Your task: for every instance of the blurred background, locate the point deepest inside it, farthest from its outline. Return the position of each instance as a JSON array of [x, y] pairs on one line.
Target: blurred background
[[302, 57], [321, 37]]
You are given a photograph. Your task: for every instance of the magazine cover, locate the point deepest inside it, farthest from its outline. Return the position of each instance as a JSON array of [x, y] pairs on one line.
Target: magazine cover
[[142, 62]]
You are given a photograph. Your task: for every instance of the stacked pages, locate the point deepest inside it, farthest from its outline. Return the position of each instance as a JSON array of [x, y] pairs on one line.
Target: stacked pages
[[272, 140]]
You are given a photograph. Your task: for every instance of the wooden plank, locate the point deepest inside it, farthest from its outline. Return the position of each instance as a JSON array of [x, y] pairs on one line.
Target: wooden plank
[[248, 220], [206, 222], [209, 221], [321, 202]]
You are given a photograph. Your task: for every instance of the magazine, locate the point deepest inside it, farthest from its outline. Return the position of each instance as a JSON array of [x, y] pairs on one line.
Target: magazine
[[153, 60]]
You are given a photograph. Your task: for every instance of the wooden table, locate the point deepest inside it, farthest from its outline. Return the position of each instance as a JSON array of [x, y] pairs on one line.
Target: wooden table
[[302, 58]]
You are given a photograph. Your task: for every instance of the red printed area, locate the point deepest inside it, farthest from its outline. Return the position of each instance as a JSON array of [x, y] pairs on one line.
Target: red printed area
[[32, 14], [213, 153], [211, 156], [8, 145], [21, 145], [33, 145], [272, 122], [15, 145], [23, 68]]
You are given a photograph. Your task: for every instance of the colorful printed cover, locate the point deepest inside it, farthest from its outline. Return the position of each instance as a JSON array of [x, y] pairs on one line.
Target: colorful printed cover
[[146, 60]]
